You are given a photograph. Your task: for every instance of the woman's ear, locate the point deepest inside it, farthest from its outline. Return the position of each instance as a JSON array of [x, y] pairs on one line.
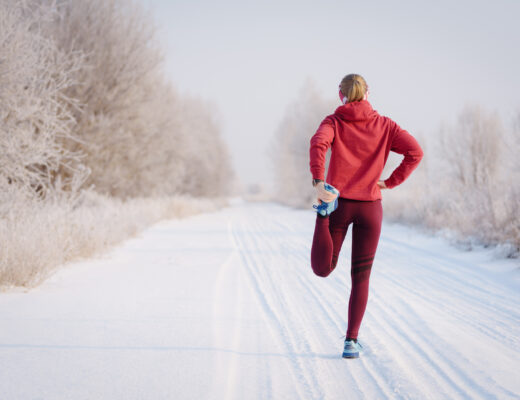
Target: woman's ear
[[343, 98]]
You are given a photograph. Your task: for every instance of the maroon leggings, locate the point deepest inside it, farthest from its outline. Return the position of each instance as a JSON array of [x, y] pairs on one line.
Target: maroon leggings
[[329, 234]]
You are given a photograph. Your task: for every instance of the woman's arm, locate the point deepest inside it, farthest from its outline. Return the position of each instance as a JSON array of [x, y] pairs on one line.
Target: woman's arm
[[319, 144], [403, 143]]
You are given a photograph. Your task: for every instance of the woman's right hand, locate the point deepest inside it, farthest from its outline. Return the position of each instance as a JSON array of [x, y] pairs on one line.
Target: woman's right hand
[[382, 185], [324, 195]]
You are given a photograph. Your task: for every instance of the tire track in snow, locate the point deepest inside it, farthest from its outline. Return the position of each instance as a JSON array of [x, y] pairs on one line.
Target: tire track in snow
[[450, 272], [460, 306], [413, 371], [386, 377], [388, 374], [378, 310], [226, 371], [330, 318], [363, 372], [446, 364], [447, 378], [276, 282], [325, 308], [304, 388], [421, 357], [481, 308]]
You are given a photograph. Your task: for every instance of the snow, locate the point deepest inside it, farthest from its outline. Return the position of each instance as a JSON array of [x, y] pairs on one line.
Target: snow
[[224, 305]]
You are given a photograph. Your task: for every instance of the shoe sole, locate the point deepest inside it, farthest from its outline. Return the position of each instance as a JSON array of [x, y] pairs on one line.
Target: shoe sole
[[350, 355], [330, 209], [334, 206]]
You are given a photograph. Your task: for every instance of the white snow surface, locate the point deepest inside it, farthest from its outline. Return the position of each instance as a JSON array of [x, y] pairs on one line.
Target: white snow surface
[[225, 305]]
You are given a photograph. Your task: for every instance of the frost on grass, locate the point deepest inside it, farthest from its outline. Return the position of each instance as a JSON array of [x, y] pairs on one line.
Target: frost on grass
[[36, 238]]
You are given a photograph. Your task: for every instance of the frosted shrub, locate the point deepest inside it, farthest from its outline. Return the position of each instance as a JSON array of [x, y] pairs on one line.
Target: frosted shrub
[[37, 238], [468, 185]]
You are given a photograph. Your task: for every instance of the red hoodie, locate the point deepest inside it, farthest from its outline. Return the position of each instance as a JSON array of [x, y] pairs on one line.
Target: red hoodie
[[361, 140]]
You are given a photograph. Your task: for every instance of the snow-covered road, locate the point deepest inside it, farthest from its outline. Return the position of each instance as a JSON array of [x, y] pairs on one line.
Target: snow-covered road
[[225, 306]]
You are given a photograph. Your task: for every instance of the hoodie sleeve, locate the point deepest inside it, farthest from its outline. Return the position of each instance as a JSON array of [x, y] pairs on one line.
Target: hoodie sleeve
[[319, 144], [406, 144]]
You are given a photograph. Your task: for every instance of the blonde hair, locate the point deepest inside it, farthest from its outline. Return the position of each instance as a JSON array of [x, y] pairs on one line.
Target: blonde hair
[[354, 87]]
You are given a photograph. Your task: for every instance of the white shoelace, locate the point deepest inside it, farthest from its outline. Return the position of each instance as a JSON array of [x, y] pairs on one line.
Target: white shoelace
[[343, 337]]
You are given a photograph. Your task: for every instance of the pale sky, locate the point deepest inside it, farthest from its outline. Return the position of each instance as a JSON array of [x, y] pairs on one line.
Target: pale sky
[[423, 60]]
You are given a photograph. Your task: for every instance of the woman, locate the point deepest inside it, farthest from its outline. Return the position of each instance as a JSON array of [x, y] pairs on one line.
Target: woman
[[360, 141]]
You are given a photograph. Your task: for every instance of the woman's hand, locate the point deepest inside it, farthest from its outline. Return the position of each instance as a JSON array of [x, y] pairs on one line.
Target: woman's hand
[[324, 195], [381, 185]]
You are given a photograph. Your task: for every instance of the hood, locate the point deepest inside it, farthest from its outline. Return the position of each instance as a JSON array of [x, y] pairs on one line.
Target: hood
[[356, 111]]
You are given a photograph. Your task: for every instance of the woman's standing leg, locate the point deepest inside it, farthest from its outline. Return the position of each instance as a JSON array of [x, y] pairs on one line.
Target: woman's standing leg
[[329, 233], [365, 238]]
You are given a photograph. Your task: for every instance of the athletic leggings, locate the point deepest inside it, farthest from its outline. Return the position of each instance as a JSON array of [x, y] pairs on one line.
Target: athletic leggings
[[329, 234]]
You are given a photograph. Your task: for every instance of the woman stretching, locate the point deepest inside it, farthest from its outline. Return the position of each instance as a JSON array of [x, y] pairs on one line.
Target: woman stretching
[[360, 140]]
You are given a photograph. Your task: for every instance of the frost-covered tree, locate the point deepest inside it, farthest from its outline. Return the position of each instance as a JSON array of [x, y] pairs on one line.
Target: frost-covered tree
[[34, 112], [289, 147], [132, 124], [84, 104]]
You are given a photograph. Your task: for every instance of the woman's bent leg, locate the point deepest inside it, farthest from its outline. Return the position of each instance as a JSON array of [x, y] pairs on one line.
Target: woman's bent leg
[[365, 238], [329, 234], [321, 252]]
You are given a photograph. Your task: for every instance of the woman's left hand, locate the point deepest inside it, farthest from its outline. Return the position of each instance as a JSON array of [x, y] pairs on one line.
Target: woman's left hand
[[323, 195]]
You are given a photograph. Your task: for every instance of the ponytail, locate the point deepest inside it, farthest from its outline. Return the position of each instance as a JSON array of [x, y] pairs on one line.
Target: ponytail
[[353, 87]]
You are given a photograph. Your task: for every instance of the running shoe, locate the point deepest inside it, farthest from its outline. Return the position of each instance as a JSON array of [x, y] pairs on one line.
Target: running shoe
[[325, 209], [351, 349]]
